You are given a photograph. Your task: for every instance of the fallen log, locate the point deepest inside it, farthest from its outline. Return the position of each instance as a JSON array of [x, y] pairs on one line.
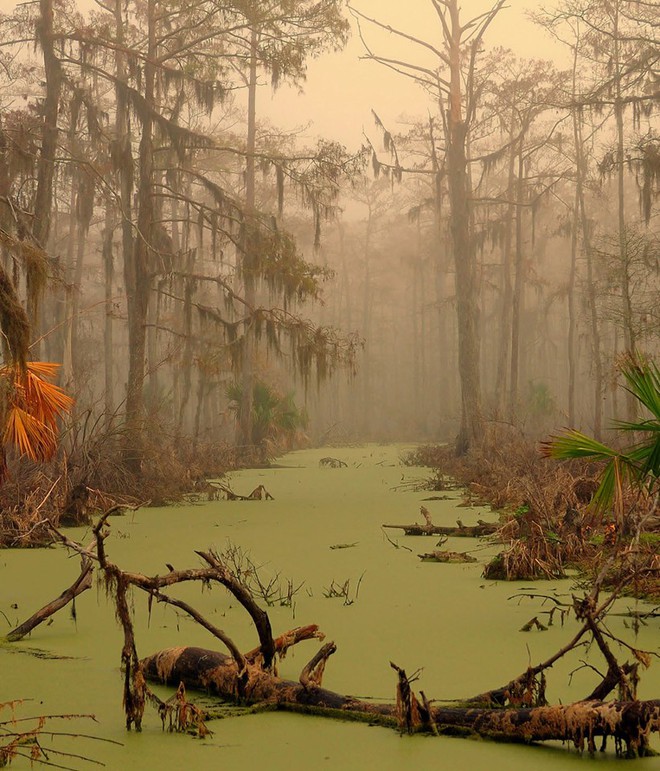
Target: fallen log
[[460, 531], [258, 494], [252, 678], [628, 723], [332, 463], [447, 556]]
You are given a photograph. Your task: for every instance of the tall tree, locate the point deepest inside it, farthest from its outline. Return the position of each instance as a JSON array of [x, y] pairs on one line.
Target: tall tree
[[279, 38], [452, 80], [615, 46]]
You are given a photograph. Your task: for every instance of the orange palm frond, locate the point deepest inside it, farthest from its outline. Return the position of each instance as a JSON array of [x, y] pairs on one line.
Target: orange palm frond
[[33, 406], [45, 369], [31, 436], [47, 401]]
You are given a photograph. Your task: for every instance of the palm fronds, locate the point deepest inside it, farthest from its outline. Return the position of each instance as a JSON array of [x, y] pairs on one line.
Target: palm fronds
[[33, 406], [638, 464]]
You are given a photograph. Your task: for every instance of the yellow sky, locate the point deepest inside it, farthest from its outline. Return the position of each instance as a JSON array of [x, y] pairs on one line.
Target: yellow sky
[[342, 89]]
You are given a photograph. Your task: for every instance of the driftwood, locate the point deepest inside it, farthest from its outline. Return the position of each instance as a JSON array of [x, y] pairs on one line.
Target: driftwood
[[516, 712], [81, 584], [447, 556], [332, 463], [258, 494], [463, 531], [627, 722]]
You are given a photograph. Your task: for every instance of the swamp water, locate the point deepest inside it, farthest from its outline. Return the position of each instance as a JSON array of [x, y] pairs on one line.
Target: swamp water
[[462, 631]]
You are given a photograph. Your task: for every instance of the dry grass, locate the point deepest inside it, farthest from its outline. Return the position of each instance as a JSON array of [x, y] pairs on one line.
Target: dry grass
[[89, 475], [547, 522]]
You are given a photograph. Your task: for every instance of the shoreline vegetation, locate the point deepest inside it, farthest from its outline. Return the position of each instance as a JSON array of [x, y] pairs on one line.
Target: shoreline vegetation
[[545, 518], [547, 524], [539, 493]]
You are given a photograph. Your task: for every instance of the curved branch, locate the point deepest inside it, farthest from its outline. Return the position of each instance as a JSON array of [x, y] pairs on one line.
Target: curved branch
[[258, 616]]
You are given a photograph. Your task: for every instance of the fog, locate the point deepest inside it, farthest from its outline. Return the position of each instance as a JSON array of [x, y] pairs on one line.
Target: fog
[[403, 233]]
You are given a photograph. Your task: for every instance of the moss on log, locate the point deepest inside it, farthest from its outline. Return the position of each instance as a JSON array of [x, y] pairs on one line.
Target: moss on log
[[581, 723]]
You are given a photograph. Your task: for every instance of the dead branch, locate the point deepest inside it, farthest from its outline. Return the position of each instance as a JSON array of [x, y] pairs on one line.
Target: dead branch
[[80, 585], [447, 556], [258, 494], [312, 673], [460, 531]]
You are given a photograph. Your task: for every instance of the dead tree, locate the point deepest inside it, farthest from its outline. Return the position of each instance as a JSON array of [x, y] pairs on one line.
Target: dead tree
[[516, 712]]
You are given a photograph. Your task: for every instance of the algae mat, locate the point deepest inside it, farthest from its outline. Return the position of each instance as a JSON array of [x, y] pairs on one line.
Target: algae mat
[[462, 631]]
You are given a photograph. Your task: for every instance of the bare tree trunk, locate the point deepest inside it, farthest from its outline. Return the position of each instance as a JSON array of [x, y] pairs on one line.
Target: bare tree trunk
[[248, 256], [472, 426], [137, 270], [572, 316], [507, 289], [68, 374], [46, 162], [629, 340], [124, 158], [366, 426], [629, 722], [187, 358], [75, 300], [108, 341], [580, 170], [518, 290]]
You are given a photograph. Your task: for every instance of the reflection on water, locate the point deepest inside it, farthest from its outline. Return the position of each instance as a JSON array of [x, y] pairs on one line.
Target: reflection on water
[[445, 619]]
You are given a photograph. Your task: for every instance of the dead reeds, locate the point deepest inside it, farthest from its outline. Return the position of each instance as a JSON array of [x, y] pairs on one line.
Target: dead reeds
[[548, 522]]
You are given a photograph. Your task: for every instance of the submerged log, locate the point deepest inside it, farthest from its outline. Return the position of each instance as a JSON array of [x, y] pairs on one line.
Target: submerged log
[[258, 494], [447, 556], [629, 723], [460, 531], [332, 463]]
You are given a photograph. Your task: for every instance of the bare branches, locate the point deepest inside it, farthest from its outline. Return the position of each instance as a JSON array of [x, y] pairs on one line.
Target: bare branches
[[410, 38], [258, 616], [312, 673]]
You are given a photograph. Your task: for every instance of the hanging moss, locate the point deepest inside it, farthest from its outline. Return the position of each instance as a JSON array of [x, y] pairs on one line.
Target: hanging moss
[[13, 322]]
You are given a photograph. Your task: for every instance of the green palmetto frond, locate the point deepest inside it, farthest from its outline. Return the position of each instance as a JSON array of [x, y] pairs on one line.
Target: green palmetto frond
[[575, 444], [272, 413], [644, 384], [639, 464], [234, 394]]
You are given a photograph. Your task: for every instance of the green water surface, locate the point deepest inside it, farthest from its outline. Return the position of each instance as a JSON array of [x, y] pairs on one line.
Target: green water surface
[[461, 631]]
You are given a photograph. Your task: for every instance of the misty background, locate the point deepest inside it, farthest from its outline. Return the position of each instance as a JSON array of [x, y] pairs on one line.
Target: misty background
[[303, 241]]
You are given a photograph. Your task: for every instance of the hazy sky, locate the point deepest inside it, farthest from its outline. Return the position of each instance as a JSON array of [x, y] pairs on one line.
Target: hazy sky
[[342, 89]]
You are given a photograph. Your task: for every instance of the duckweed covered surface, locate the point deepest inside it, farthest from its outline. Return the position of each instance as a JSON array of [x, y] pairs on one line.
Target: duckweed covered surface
[[444, 618]]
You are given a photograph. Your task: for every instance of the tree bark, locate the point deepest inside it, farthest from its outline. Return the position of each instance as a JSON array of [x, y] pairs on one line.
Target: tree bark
[[245, 433], [46, 164], [591, 282], [518, 289], [507, 288], [627, 722], [472, 426], [108, 283], [136, 267]]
